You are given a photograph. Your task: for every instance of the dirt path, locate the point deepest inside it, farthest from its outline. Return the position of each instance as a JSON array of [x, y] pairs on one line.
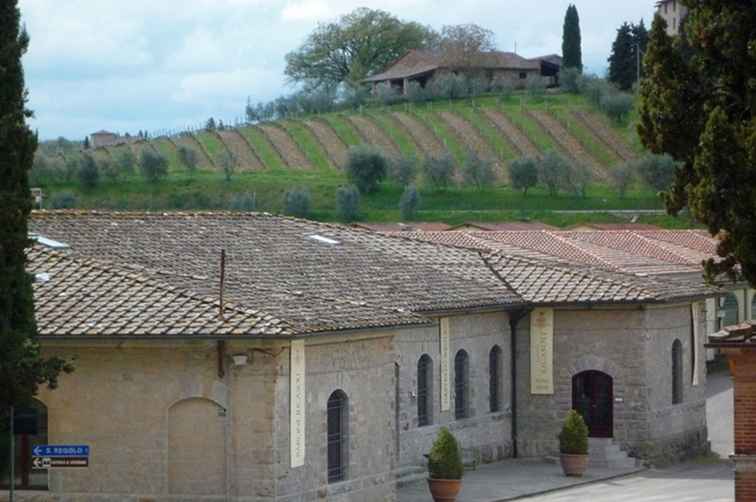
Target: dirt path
[[239, 148], [374, 135], [329, 140], [190, 142], [605, 133], [567, 141], [285, 146], [471, 138], [512, 133], [421, 135]]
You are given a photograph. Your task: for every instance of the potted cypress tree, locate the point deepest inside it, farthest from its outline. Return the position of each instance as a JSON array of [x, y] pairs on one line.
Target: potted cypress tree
[[573, 445], [445, 467]]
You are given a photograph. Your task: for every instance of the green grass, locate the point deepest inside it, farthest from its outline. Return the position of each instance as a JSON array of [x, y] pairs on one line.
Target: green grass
[[167, 150], [591, 143], [530, 128], [447, 136], [307, 142], [262, 147], [212, 145], [343, 128], [493, 137], [405, 143]]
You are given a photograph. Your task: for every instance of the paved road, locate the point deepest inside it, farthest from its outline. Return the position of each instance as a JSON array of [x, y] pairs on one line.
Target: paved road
[[683, 483]]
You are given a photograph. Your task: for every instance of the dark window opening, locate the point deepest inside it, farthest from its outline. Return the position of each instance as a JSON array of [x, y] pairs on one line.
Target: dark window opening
[[677, 373], [424, 391], [461, 375], [494, 377], [30, 426], [523, 75], [338, 436]]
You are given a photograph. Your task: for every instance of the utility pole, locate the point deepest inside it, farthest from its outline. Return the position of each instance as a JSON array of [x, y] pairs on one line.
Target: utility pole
[[12, 457]]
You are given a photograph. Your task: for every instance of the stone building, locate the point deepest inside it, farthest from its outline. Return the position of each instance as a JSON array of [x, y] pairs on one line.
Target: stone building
[[104, 138], [674, 13], [494, 69], [224, 356]]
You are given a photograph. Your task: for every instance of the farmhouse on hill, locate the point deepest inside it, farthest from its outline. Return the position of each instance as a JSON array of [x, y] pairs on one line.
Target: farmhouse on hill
[[495, 68], [337, 352]]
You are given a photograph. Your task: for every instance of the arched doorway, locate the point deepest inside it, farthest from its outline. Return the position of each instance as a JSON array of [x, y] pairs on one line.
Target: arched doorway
[[593, 398]]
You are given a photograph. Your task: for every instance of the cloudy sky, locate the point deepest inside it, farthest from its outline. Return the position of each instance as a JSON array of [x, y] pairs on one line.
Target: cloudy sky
[[157, 64]]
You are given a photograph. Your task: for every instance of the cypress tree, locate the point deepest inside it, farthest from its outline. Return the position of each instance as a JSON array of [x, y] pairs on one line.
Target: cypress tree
[[572, 55], [640, 43], [622, 63], [697, 104], [22, 367]]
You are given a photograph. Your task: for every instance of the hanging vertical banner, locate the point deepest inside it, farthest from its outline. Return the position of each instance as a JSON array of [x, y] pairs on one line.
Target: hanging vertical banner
[[695, 310], [445, 371], [542, 351], [297, 403]]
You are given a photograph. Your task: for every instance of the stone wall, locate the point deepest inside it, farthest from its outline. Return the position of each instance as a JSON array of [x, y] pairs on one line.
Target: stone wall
[[483, 435]]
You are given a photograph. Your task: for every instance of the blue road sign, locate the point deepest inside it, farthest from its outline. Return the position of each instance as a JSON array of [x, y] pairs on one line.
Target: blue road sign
[[60, 450]]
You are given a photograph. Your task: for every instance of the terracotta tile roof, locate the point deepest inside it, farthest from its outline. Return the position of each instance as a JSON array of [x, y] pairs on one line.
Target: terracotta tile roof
[[738, 336], [79, 297], [503, 226], [403, 227]]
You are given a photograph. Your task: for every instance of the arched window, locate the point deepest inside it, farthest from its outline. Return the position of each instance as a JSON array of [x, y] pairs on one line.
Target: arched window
[[730, 308], [494, 378], [461, 376], [677, 372], [30, 425], [338, 436], [424, 391]]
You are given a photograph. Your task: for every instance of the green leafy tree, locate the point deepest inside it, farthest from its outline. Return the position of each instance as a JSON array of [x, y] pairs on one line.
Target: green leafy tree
[[109, 169], [524, 174], [22, 367], [617, 105], [578, 179], [622, 176], [348, 203], [570, 80], [126, 160], [210, 125], [573, 440], [438, 171], [404, 169], [228, 164], [572, 53], [554, 171], [477, 172], [243, 202], [360, 43], [622, 63], [409, 203], [85, 144], [297, 202], [153, 166], [656, 171], [445, 457], [698, 107], [63, 200], [640, 44], [89, 175], [366, 167], [188, 159]]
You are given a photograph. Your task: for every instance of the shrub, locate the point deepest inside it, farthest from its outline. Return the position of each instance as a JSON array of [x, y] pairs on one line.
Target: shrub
[[622, 176], [70, 169], [524, 174], [595, 89], [404, 170], [153, 166], [573, 440], [188, 159], [449, 86], [89, 176], [553, 170], [477, 172], [657, 171], [536, 88], [416, 93], [617, 105], [477, 86], [297, 202], [438, 171], [504, 89], [63, 200], [109, 169], [388, 95], [409, 203], [126, 162], [243, 202], [445, 459], [44, 171], [366, 167], [578, 179], [348, 203], [228, 164], [570, 80]]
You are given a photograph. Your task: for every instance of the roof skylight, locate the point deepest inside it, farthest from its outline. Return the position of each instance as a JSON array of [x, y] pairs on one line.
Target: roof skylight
[[50, 242], [324, 240]]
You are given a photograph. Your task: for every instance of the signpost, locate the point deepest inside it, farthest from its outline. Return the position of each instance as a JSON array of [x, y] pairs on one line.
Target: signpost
[[50, 456]]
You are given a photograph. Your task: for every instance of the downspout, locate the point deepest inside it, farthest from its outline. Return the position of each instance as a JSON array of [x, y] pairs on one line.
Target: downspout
[[514, 318]]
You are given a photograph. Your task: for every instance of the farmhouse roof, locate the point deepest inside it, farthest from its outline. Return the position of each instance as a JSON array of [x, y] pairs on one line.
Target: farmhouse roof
[[103, 132], [418, 62]]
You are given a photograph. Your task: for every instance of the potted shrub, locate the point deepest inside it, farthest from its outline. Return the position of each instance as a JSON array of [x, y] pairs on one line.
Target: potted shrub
[[573, 445], [445, 467]]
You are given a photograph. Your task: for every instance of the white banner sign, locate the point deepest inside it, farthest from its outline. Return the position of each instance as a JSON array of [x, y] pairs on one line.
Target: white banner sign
[[297, 403], [696, 318], [445, 372], [542, 351]]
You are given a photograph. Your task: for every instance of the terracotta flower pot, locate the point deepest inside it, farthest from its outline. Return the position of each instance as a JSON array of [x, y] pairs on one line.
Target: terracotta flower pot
[[574, 465], [444, 490]]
